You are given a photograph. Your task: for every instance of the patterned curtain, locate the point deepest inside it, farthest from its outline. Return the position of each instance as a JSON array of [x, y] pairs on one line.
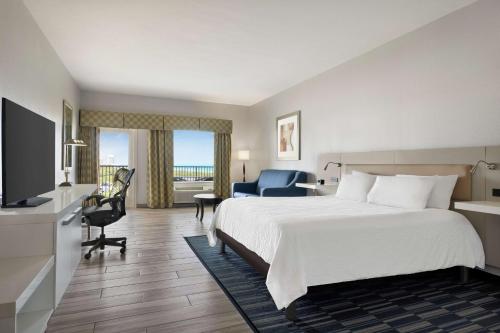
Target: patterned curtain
[[222, 151], [88, 157], [160, 169]]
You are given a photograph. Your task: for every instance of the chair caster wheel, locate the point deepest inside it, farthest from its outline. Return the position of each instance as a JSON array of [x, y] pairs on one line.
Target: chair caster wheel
[[122, 250], [87, 256]]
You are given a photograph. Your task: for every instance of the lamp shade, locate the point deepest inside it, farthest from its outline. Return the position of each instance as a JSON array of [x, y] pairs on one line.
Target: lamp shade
[[243, 155], [74, 142]]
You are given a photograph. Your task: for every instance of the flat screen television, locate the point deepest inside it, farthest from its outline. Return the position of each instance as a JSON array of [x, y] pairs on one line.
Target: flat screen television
[[28, 156]]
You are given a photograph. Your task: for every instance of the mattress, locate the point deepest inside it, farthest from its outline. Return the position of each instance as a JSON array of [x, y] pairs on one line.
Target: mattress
[[312, 241]]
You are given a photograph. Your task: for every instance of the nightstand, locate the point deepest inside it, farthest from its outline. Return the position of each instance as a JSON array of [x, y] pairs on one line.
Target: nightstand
[[319, 189], [488, 207]]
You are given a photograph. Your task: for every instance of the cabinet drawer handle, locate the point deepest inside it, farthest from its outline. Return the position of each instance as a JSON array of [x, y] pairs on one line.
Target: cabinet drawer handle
[[67, 220], [77, 211]]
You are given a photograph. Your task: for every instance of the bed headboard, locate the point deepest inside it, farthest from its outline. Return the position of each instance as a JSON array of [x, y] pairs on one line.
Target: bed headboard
[[463, 188]]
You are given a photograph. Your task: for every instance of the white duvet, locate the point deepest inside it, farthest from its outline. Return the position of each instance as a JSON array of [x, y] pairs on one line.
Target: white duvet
[[312, 241]]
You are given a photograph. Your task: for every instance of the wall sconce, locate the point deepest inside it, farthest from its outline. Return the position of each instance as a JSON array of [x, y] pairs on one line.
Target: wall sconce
[[490, 166], [338, 165]]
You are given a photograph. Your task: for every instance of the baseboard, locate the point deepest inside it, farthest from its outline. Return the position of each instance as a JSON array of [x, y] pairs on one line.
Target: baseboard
[[183, 204], [176, 205]]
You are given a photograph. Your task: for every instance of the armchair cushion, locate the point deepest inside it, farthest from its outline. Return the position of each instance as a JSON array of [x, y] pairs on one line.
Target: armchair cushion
[[243, 195]]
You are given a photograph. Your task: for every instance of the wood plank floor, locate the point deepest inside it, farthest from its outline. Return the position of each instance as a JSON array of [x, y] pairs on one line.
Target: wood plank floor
[[159, 285]]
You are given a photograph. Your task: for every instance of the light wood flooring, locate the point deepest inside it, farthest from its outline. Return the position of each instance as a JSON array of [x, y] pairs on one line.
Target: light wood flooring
[[159, 285]]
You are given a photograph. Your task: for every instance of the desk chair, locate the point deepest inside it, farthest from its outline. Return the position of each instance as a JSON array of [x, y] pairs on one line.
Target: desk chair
[[101, 216]]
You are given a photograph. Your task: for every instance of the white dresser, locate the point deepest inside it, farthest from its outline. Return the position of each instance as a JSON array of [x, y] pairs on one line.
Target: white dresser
[[40, 248]]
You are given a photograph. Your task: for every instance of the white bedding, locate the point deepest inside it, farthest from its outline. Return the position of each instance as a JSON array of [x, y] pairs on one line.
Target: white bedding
[[320, 240]]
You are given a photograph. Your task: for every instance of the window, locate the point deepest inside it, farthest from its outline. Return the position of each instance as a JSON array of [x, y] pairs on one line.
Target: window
[[193, 156]]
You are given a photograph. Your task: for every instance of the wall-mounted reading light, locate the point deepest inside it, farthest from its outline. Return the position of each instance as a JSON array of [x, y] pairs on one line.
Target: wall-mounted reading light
[[490, 166], [336, 163]]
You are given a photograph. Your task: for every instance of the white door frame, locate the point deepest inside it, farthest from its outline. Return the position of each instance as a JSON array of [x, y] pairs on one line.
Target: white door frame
[[132, 161]]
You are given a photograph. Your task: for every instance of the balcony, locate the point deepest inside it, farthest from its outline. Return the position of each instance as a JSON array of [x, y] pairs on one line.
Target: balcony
[[188, 180], [193, 173]]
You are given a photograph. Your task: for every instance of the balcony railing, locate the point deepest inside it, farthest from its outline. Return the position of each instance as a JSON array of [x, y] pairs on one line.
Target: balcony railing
[[106, 174], [193, 173], [182, 173]]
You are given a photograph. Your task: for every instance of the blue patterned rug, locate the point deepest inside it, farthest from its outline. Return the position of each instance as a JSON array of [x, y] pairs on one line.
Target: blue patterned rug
[[425, 302]]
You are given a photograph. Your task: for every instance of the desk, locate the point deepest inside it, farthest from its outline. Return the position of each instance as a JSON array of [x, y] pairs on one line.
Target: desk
[[40, 248]]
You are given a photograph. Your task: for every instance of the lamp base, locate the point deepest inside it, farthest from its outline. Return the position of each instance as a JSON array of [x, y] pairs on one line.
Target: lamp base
[[244, 181], [65, 184]]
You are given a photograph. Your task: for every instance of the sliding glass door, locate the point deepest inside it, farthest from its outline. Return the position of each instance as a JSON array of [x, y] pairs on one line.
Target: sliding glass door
[[116, 150]]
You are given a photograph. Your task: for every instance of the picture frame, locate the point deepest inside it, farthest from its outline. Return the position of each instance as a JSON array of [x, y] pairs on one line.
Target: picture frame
[[67, 133], [288, 136]]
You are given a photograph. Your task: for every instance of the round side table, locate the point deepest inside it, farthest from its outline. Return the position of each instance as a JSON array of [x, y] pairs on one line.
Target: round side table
[[201, 199]]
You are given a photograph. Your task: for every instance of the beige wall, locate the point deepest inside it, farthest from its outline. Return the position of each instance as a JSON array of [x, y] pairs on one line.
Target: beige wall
[[31, 73], [130, 103], [438, 86]]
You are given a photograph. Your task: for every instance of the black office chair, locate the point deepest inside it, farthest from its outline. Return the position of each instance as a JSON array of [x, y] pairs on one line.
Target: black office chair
[[101, 216]]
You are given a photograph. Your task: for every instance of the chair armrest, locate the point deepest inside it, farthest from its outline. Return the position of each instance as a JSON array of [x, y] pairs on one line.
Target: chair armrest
[[245, 187], [97, 197], [110, 200], [300, 177]]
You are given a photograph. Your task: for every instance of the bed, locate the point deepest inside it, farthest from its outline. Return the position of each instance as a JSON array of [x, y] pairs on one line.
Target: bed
[[309, 241]]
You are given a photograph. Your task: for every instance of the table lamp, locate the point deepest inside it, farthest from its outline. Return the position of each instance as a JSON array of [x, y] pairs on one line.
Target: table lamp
[[69, 142]]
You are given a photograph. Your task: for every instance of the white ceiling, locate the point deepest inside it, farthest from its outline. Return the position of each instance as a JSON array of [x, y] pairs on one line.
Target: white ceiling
[[227, 51]]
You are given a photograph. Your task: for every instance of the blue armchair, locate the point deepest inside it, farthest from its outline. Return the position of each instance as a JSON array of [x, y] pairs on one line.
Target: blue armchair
[[272, 183]]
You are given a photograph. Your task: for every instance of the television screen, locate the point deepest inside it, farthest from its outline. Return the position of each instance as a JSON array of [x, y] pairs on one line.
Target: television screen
[[28, 155]]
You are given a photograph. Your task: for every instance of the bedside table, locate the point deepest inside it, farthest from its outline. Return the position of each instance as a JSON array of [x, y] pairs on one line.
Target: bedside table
[[488, 207], [318, 189]]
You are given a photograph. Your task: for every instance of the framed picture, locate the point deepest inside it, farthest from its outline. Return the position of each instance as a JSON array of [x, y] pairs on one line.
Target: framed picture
[[288, 136], [67, 130]]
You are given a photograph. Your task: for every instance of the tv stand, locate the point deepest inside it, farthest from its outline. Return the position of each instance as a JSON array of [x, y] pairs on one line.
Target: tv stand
[[40, 250], [28, 203]]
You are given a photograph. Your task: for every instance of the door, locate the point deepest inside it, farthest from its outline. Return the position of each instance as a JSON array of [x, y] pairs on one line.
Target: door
[[117, 150]]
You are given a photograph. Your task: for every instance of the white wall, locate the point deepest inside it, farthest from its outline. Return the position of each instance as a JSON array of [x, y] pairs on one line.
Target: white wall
[[438, 86], [130, 103], [31, 73]]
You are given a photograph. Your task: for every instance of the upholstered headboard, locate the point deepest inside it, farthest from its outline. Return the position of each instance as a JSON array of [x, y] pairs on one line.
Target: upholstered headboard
[[463, 188]]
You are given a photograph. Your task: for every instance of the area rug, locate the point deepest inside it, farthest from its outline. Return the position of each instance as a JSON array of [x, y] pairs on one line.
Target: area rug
[[424, 302]]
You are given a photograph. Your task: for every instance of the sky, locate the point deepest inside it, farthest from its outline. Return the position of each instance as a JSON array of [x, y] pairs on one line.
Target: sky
[[193, 148], [190, 148], [113, 148]]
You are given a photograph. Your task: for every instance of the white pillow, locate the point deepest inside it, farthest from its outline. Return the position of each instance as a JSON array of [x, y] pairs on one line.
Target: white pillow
[[441, 192], [355, 172], [355, 187], [404, 192]]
